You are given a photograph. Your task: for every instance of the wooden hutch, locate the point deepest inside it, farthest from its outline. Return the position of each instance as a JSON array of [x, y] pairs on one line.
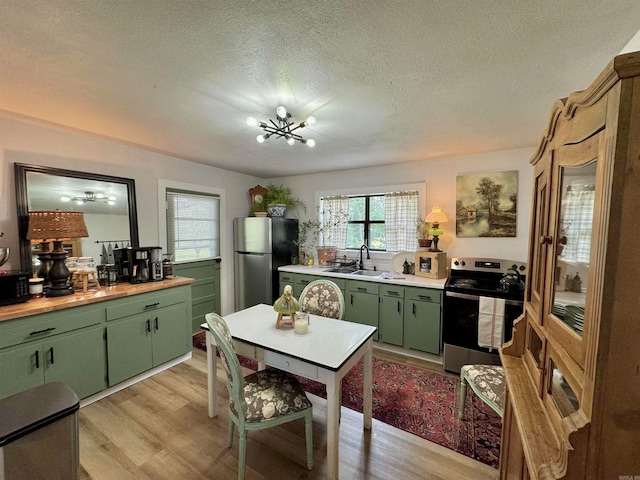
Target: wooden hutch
[[573, 367]]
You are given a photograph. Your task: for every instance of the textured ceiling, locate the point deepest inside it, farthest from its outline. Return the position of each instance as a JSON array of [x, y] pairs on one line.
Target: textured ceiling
[[388, 81]]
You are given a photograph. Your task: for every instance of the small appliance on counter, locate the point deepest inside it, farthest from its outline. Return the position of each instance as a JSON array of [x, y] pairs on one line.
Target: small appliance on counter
[[139, 264], [155, 264], [121, 257], [14, 286]]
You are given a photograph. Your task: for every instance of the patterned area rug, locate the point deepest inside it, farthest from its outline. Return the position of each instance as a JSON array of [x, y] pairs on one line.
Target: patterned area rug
[[418, 401]]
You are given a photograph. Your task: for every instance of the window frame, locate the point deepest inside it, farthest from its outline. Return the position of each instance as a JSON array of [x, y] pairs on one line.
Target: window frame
[[367, 222]]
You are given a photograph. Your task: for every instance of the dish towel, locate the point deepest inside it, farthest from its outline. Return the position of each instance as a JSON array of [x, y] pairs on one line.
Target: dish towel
[[104, 255], [490, 322]]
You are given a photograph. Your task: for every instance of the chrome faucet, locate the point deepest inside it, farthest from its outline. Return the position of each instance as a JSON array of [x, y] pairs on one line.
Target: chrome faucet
[[364, 245]]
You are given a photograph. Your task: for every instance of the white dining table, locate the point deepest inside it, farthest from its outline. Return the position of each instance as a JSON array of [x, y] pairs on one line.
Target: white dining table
[[325, 354]]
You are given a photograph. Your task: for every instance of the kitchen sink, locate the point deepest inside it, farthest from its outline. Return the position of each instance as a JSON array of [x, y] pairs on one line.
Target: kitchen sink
[[367, 273], [340, 270]]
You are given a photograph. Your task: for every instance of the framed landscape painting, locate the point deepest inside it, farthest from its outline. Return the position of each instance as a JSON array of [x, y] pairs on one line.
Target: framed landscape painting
[[486, 204]]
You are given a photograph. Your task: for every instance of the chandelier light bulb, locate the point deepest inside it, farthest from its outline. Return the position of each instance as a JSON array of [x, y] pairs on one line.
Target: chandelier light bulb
[[260, 138], [111, 202], [291, 141], [283, 127], [112, 198], [311, 120], [64, 198], [310, 142], [252, 122], [79, 202], [281, 112]]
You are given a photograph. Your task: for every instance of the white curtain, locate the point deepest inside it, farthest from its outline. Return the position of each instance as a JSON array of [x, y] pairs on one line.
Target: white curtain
[[401, 212], [334, 215], [577, 220]]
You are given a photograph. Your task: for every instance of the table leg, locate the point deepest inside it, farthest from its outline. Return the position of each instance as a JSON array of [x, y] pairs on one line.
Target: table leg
[[333, 425], [367, 394], [212, 376]]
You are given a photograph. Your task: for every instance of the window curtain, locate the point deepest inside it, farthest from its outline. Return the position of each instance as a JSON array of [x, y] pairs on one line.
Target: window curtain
[[334, 216], [401, 212], [577, 221]]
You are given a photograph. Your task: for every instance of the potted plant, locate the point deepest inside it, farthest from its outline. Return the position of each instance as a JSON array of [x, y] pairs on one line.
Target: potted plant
[[308, 231], [422, 229], [278, 198]]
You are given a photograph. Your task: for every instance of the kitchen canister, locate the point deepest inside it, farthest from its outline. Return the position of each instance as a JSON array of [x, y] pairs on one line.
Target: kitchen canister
[[36, 287]]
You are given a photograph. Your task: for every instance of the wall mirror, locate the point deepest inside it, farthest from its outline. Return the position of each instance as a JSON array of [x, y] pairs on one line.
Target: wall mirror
[[108, 204]]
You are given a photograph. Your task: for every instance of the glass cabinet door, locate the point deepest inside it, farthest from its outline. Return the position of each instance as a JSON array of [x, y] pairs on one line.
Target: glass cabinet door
[[541, 239]]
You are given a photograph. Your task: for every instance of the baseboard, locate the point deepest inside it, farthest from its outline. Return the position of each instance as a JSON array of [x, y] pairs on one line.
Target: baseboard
[[134, 380], [437, 359]]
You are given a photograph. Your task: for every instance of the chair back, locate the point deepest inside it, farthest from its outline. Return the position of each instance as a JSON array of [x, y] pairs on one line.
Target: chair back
[[324, 298], [235, 380]]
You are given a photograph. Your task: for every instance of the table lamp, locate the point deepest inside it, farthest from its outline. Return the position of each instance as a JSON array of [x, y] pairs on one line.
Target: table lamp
[[57, 226], [436, 217]]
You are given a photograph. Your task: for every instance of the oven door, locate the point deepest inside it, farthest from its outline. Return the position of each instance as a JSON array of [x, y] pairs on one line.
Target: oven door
[[460, 320]]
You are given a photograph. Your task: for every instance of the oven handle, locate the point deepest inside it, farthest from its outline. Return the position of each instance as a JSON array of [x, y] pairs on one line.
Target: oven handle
[[517, 303]]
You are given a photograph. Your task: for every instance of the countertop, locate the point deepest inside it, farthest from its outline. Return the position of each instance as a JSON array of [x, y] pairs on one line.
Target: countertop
[[406, 280], [45, 305]]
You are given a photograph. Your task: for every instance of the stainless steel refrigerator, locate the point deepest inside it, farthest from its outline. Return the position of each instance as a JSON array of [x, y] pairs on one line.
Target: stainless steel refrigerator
[[260, 246]]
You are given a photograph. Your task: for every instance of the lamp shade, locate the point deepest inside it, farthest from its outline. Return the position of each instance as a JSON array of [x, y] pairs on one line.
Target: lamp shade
[[436, 216], [56, 225]]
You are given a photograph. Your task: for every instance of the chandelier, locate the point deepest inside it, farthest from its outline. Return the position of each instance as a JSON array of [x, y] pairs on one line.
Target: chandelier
[[283, 127], [90, 197]]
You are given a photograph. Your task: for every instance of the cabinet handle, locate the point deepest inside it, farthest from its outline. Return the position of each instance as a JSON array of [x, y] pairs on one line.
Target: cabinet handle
[[51, 355], [352, 299], [398, 307], [155, 323], [545, 239], [562, 241], [153, 305], [395, 294], [414, 308], [37, 355], [37, 332], [148, 322], [424, 297], [361, 289]]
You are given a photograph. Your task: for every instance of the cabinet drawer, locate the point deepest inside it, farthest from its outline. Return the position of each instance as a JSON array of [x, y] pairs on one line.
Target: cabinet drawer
[[36, 327], [424, 295], [286, 277], [362, 287], [292, 365], [303, 279], [145, 303], [392, 291]]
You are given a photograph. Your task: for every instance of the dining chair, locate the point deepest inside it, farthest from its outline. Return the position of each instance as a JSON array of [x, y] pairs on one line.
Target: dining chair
[[263, 399], [324, 298], [488, 383]]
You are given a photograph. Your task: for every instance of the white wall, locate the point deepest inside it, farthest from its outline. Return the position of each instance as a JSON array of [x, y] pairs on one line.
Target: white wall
[[32, 143], [440, 178]]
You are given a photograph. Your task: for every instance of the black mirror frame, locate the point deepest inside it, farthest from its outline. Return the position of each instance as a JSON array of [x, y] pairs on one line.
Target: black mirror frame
[[22, 203]]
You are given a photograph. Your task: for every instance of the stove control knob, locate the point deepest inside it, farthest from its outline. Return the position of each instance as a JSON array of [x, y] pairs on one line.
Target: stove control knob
[[464, 263], [456, 263]]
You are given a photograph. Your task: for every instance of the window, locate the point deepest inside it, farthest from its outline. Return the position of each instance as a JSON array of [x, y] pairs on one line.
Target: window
[[193, 225], [383, 221]]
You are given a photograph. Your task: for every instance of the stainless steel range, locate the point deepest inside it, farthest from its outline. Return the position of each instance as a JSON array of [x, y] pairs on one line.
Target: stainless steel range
[[469, 280]]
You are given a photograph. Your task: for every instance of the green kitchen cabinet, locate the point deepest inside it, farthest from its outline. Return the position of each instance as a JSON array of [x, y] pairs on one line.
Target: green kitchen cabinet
[[145, 340], [362, 303], [77, 359], [301, 280], [284, 279], [422, 320], [391, 315], [205, 290]]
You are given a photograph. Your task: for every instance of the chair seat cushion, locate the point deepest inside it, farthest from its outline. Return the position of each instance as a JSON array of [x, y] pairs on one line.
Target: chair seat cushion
[[272, 393], [487, 381]]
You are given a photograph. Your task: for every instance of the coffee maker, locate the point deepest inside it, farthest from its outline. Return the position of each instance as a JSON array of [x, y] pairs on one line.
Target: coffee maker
[[121, 258], [155, 264], [139, 264]]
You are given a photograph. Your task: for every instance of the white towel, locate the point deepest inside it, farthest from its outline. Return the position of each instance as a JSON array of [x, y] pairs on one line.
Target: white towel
[[490, 322]]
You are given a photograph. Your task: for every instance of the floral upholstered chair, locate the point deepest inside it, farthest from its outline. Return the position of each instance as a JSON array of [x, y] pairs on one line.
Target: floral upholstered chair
[[487, 381], [324, 298], [260, 400]]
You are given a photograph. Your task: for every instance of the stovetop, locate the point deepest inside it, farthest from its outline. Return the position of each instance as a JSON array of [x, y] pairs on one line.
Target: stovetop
[[481, 276]]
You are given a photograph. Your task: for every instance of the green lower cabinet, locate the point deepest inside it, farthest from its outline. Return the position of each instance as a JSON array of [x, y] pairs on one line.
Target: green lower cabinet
[[78, 360], [391, 315], [146, 340], [362, 303], [422, 320], [284, 279], [301, 280], [205, 290]]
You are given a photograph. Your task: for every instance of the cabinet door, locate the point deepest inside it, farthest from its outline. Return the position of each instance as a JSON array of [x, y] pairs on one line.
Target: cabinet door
[[129, 348], [391, 320], [422, 326], [540, 234], [363, 308], [22, 368], [78, 360], [171, 337], [301, 281]]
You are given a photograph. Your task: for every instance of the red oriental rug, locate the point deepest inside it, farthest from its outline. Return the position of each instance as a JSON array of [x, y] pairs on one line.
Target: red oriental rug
[[418, 401]]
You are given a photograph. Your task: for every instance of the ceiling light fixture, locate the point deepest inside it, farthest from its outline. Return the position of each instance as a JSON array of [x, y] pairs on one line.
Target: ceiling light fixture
[[90, 197], [283, 127]]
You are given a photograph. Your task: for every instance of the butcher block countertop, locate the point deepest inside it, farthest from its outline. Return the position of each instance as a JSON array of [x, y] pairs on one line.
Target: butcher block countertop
[[121, 290]]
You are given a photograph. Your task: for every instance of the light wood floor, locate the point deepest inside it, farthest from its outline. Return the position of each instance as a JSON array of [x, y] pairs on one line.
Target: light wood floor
[[159, 429]]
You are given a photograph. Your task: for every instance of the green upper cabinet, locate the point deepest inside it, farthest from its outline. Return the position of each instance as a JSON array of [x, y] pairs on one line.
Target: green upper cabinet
[[391, 314], [422, 320], [205, 290]]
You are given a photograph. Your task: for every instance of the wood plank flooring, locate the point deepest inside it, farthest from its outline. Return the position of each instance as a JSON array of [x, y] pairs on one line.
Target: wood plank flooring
[[159, 429]]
